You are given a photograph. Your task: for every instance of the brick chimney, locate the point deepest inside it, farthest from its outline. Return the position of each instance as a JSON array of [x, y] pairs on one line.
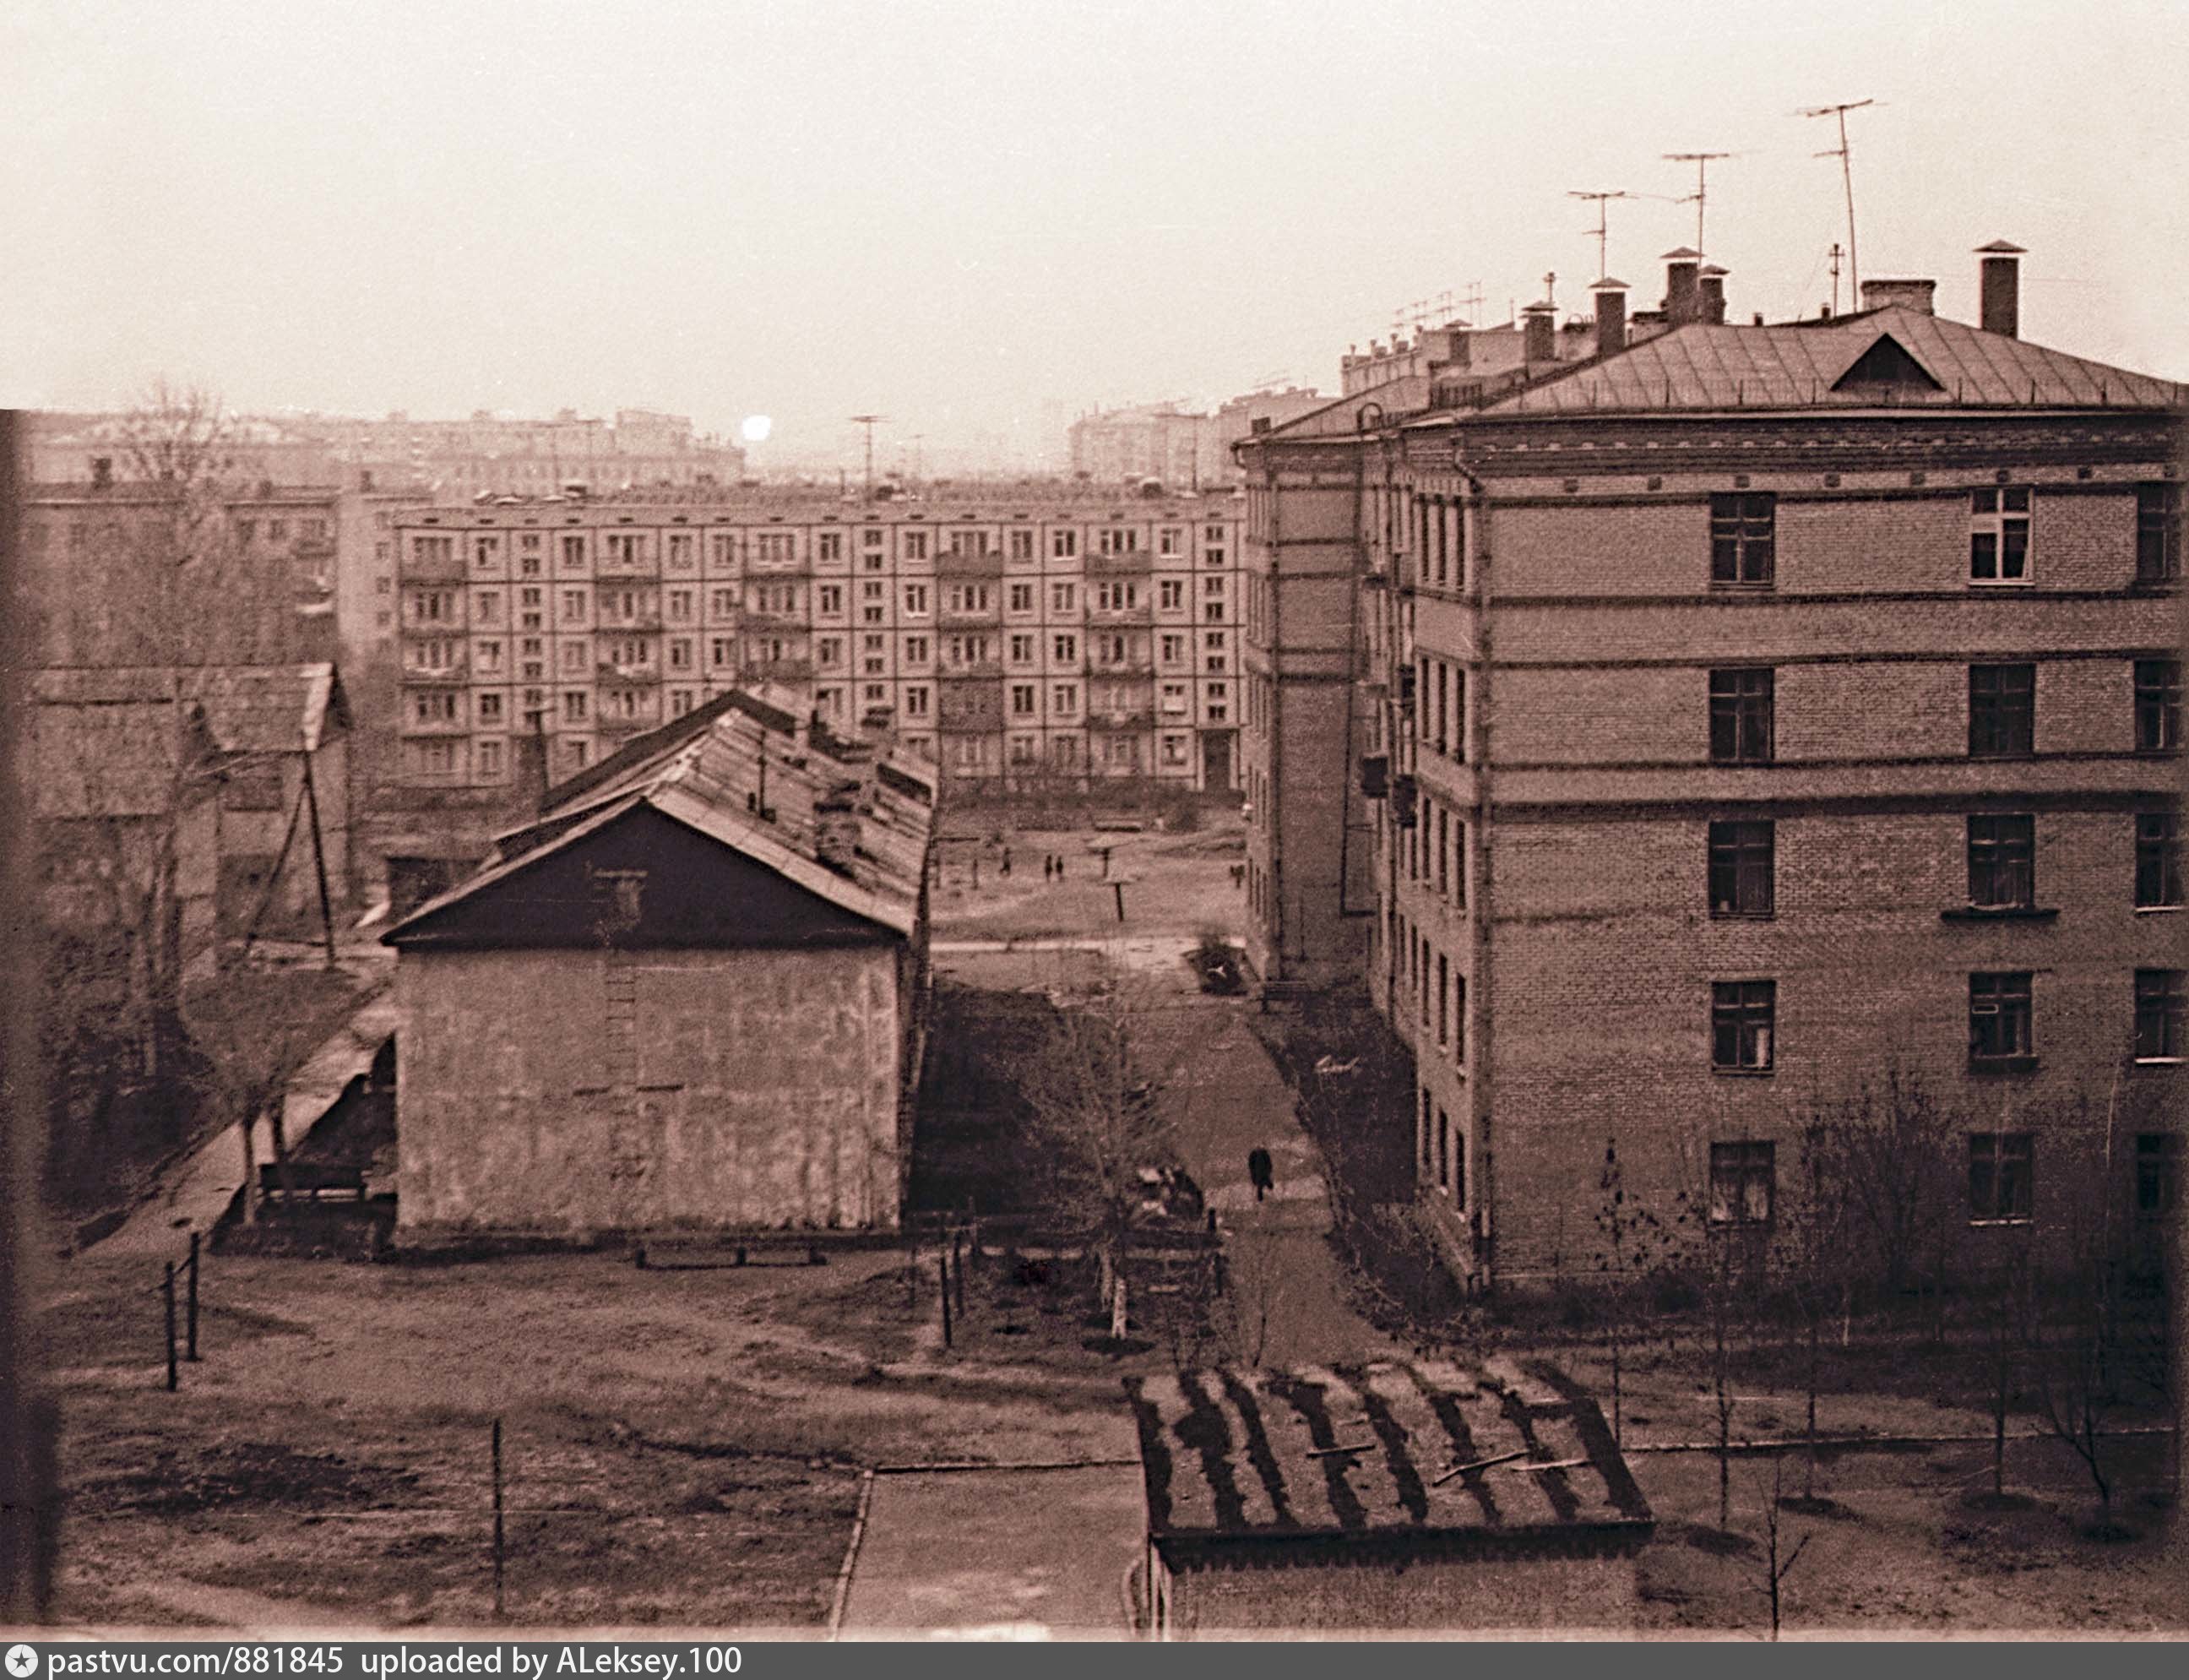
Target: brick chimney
[[2001, 276], [1710, 295], [1682, 302], [1610, 296], [1539, 332], [1899, 294]]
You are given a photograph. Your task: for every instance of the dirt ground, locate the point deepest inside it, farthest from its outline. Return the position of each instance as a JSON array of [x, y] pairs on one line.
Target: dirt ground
[[684, 1448], [1172, 884]]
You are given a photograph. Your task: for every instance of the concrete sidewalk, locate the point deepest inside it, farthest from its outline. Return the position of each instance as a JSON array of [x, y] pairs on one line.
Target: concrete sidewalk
[[1000, 1554]]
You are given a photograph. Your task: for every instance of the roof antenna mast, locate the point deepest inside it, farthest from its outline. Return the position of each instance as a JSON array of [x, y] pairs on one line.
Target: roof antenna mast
[[869, 421], [1702, 160], [1600, 200], [1846, 155]]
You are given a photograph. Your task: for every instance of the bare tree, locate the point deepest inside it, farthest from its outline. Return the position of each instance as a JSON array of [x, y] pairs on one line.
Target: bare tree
[[1817, 1260], [1890, 1148], [1775, 1567], [1095, 1111]]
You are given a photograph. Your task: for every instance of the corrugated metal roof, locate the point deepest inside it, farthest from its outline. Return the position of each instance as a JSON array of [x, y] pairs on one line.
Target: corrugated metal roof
[[1385, 1448], [1703, 367], [753, 788]]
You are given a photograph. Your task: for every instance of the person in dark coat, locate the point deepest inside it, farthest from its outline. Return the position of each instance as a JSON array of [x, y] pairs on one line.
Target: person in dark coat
[[1262, 1172]]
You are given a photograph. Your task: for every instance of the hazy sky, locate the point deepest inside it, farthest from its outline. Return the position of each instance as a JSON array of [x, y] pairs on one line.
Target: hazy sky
[[975, 217]]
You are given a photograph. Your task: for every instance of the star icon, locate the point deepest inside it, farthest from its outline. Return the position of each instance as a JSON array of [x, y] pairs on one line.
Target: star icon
[[22, 1661]]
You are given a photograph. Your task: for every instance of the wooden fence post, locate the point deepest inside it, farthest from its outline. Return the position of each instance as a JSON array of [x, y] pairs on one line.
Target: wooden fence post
[[168, 1292], [942, 1265], [191, 1319], [498, 1534], [958, 1269]]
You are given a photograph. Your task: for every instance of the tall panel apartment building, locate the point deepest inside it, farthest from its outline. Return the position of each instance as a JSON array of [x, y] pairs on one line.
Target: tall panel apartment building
[[1677, 737], [1021, 647]]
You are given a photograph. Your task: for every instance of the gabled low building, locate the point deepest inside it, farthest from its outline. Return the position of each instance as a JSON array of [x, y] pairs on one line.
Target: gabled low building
[[1420, 1495], [691, 995]]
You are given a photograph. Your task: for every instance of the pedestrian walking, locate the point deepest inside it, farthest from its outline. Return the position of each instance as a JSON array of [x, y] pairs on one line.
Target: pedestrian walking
[[1262, 1171]]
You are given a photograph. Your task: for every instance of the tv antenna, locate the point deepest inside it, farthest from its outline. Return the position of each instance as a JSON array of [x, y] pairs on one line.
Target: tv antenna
[[1836, 254], [869, 421], [1702, 160], [1846, 155], [1601, 201]]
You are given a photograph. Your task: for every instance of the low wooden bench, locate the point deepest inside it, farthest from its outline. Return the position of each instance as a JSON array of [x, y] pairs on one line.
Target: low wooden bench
[[310, 1181]]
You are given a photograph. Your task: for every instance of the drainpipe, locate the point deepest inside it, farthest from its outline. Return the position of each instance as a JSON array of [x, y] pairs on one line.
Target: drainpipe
[[1275, 800], [1476, 552]]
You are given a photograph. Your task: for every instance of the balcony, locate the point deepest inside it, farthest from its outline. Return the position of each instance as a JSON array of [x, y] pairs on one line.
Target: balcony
[[1099, 617], [1131, 720], [413, 567], [458, 670], [1141, 665], [1138, 563], [776, 671], [608, 672], [976, 670], [610, 722], [413, 724], [950, 563], [972, 618], [638, 623]]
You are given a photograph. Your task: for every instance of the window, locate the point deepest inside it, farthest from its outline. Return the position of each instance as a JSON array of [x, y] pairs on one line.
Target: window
[[489, 606], [1062, 597], [1174, 649], [2159, 1014], [1021, 597], [832, 599], [1741, 872], [2000, 1021], [1064, 543], [1022, 699], [1744, 542], [2002, 711], [830, 545], [1170, 594], [915, 600], [2158, 1174], [2157, 860], [2002, 1176], [2002, 862], [1740, 715], [490, 761], [573, 707], [1066, 649], [915, 650], [1021, 545], [2157, 706], [1064, 698], [915, 700], [680, 606], [2158, 533], [1742, 1016], [1743, 1183], [1999, 535]]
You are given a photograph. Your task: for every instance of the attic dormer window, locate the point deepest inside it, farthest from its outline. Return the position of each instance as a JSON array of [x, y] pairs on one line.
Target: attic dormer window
[[1999, 535], [1887, 363]]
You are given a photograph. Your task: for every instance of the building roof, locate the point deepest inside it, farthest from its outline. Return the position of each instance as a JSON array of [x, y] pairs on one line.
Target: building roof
[[129, 740], [1384, 1450], [848, 822], [1805, 365], [270, 708]]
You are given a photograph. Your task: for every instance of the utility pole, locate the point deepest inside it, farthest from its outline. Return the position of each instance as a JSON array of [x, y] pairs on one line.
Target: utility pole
[[1846, 155], [1702, 160], [869, 421], [1601, 201]]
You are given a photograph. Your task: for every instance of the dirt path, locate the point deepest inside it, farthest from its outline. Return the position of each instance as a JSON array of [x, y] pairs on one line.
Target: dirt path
[[1226, 1098]]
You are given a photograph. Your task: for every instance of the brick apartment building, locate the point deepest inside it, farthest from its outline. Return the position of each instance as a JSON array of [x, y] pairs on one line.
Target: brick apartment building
[[1676, 735], [1020, 643]]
